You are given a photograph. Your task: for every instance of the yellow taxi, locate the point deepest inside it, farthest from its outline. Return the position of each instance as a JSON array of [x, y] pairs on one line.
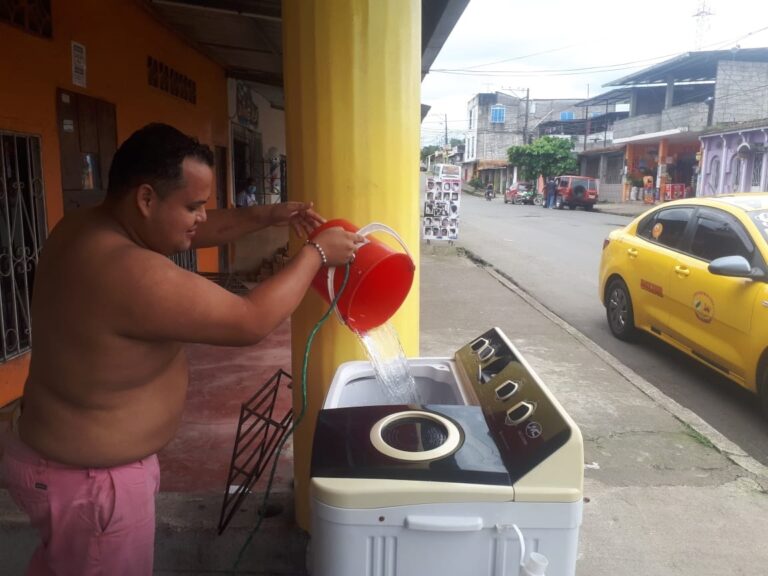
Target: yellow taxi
[[693, 273]]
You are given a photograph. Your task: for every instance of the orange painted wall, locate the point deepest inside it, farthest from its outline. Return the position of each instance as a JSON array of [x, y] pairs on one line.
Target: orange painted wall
[[118, 35]]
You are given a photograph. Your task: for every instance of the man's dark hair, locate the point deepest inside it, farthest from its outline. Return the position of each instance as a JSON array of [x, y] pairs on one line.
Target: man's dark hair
[[153, 155]]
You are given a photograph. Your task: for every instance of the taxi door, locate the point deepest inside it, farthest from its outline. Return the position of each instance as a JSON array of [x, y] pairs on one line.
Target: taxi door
[[710, 314], [650, 259]]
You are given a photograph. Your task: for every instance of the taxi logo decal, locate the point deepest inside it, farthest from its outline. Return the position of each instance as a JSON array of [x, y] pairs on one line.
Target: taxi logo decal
[[703, 307], [654, 289]]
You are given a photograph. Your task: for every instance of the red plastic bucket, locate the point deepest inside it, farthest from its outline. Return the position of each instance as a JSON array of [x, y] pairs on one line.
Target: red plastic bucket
[[379, 279]]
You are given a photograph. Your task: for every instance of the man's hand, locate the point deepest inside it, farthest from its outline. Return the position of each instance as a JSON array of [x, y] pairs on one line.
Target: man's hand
[[339, 245], [300, 215]]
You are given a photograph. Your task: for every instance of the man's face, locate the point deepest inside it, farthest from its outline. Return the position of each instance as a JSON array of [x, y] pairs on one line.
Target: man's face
[[174, 219]]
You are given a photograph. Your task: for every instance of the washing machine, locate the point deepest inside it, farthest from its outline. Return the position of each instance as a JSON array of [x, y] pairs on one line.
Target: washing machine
[[450, 485]]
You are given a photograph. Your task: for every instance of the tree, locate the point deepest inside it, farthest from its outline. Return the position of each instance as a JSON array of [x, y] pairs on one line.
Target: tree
[[429, 150], [455, 142], [548, 156]]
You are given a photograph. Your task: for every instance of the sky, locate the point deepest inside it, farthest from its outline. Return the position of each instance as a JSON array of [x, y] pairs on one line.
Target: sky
[[567, 49]]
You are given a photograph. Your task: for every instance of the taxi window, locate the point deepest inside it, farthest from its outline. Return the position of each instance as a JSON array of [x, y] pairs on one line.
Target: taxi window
[[666, 227], [760, 218], [719, 235]]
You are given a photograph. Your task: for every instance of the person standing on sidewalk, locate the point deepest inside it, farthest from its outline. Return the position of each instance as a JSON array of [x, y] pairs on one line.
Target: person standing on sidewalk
[[551, 193], [108, 373]]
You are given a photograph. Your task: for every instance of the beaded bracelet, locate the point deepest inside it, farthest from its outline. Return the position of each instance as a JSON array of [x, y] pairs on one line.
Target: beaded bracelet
[[320, 250]]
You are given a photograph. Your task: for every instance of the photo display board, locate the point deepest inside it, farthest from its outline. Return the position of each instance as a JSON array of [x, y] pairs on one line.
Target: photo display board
[[440, 220]]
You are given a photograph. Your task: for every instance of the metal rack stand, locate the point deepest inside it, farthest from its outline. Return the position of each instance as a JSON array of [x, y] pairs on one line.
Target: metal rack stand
[[258, 436]]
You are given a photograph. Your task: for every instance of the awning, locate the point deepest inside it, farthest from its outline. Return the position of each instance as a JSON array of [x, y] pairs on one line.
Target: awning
[[491, 164]]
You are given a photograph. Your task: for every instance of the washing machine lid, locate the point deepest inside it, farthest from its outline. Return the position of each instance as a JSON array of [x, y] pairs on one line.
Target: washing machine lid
[[418, 443]]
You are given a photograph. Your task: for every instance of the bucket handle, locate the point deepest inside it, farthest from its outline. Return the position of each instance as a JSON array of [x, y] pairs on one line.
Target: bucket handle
[[364, 231]]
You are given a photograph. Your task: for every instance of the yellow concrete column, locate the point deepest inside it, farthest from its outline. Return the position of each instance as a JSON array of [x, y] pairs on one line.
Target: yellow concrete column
[[352, 84]]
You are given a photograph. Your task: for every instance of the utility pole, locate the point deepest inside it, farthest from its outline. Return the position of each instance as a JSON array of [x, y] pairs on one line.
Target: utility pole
[[586, 122], [702, 23], [525, 123], [445, 116]]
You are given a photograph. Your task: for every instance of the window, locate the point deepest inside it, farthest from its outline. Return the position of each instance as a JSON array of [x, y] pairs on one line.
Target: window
[[736, 164], [471, 117], [666, 227], [498, 114], [713, 181], [34, 16], [566, 115], [22, 233], [719, 235], [757, 170], [613, 170]]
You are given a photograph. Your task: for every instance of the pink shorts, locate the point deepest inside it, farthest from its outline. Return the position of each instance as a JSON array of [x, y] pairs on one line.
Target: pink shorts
[[92, 521]]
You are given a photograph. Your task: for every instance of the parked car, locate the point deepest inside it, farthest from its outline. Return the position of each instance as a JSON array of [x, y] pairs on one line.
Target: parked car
[[511, 193], [575, 191], [693, 273]]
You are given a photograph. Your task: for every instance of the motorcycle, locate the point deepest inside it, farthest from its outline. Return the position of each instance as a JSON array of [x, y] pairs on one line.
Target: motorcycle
[[489, 194], [528, 197]]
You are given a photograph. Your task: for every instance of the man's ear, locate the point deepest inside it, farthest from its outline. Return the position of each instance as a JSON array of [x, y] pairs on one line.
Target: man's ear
[[145, 199]]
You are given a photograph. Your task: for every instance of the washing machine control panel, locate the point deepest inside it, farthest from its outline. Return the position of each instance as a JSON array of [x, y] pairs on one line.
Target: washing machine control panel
[[524, 419]]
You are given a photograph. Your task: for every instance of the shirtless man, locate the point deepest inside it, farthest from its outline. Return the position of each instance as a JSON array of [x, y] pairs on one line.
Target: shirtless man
[[108, 373]]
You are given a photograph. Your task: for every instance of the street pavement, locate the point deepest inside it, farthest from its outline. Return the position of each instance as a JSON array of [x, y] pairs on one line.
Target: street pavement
[[664, 494]]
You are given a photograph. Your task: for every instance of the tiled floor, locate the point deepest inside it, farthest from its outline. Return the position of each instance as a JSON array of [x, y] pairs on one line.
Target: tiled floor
[[221, 379]]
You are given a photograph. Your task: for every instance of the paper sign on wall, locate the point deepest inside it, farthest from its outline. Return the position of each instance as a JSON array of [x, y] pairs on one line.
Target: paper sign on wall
[[78, 65]]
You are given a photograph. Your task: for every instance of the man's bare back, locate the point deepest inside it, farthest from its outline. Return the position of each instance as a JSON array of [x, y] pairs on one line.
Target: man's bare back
[[96, 397]]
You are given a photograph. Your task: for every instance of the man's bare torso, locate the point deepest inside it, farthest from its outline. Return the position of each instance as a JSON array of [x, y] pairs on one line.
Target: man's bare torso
[[96, 397]]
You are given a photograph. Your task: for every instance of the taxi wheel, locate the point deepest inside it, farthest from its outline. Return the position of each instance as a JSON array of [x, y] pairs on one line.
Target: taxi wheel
[[618, 309]]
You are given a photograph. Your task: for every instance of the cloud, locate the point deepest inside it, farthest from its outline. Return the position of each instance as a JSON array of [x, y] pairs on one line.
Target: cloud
[[563, 49]]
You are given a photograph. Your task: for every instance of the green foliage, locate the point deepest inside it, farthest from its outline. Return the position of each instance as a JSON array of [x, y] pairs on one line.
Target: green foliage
[[548, 156], [427, 150], [455, 142], [476, 183]]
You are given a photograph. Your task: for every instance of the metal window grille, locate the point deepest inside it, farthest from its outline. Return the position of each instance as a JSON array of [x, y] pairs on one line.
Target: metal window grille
[[34, 16], [23, 229], [757, 169], [186, 260], [498, 114]]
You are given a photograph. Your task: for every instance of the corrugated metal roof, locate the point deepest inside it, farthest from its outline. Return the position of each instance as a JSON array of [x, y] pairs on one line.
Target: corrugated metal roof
[[691, 67]]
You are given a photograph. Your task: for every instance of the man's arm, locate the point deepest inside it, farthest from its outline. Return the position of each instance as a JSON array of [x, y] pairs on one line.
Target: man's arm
[[153, 299], [224, 226]]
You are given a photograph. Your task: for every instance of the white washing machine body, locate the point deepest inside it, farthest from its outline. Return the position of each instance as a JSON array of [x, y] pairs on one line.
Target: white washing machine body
[[443, 487]]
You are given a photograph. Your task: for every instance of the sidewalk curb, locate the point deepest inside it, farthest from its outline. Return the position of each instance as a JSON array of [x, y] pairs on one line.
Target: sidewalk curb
[[684, 415]]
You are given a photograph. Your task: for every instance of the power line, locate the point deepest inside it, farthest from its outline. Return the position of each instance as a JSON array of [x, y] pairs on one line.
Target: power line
[[470, 70]]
